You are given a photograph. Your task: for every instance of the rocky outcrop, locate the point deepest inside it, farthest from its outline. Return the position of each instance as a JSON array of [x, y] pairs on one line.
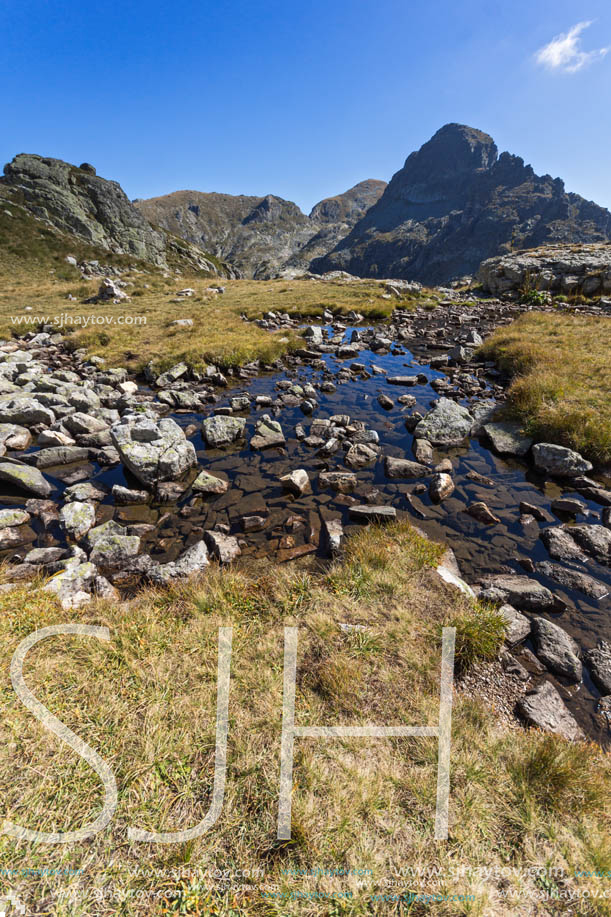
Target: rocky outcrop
[[261, 236], [76, 201], [565, 269], [456, 203]]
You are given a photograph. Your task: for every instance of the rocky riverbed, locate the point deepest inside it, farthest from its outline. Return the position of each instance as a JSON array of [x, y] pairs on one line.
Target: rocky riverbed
[[107, 481]]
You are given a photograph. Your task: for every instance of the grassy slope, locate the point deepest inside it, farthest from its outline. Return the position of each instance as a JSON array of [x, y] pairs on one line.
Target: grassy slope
[[33, 273], [562, 378], [145, 702]]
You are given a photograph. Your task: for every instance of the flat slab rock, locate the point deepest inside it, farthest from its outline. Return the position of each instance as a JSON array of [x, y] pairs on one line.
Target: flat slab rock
[[519, 591], [364, 513], [404, 468], [508, 438], [544, 708]]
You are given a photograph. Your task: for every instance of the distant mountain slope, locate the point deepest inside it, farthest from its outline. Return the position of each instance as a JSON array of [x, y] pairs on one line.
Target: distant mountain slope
[[260, 236], [455, 203], [76, 201]]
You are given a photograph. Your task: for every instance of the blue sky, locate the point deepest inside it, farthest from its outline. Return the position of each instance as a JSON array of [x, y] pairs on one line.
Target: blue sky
[[302, 99]]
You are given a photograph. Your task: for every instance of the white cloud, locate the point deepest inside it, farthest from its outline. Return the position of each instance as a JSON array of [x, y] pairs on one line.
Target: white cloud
[[564, 52]]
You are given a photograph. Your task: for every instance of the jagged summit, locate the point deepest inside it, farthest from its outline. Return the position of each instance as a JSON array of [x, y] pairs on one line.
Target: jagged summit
[[455, 203]]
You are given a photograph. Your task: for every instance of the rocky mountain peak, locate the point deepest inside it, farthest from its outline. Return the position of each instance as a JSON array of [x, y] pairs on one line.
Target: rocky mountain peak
[[454, 149]]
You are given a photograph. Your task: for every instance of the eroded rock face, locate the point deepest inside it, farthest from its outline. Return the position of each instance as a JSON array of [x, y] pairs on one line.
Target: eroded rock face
[[261, 237], [558, 268], [455, 204], [153, 450]]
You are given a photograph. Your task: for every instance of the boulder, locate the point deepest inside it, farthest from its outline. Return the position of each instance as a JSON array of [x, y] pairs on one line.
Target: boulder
[[574, 579], [599, 663], [560, 545], [267, 433], [508, 438], [558, 460], [518, 625], [343, 482], [60, 455], [25, 410], [519, 591], [544, 708], [441, 486], [361, 454], [220, 430], [25, 478], [224, 547], [446, 424], [13, 436], [152, 450], [12, 517], [404, 468], [192, 561], [206, 483], [594, 539], [110, 547], [297, 482], [556, 649], [76, 518], [72, 586]]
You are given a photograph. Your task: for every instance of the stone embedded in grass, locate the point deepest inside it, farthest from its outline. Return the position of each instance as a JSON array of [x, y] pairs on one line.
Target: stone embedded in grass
[[206, 483], [267, 433], [153, 450], [364, 513], [559, 461], [73, 585], [517, 625], [25, 478], [507, 438], [172, 375], [544, 708], [76, 518], [192, 561], [221, 430], [334, 534]]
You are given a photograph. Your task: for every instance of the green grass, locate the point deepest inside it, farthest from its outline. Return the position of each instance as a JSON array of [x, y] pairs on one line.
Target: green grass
[[146, 702], [561, 378]]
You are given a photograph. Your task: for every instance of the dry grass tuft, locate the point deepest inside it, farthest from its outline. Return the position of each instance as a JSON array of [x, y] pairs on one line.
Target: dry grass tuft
[[362, 809]]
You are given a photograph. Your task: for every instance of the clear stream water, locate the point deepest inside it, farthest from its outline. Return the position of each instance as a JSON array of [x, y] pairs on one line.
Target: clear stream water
[[255, 490]]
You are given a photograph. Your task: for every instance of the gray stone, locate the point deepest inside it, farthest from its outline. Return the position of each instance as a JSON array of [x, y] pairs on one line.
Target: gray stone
[[423, 451], [404, 468], [508, 438], [482, 512], [267, 433], [595, 539], [224, 547], [76, 518], [85, 492], [574, 579], [544, 708], [599, 663], [334, 534], [365, 513], [12, 436], [123, 496], [558, 460], [447, 423], [361, 454], [153, 451], [25, 478], [79, 423], [61, 455], [518, 625], [191, 562], [519, 591], [220, 430], [207, 483], [12, 517], [25, 410], [556, 649], [560, 545]]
